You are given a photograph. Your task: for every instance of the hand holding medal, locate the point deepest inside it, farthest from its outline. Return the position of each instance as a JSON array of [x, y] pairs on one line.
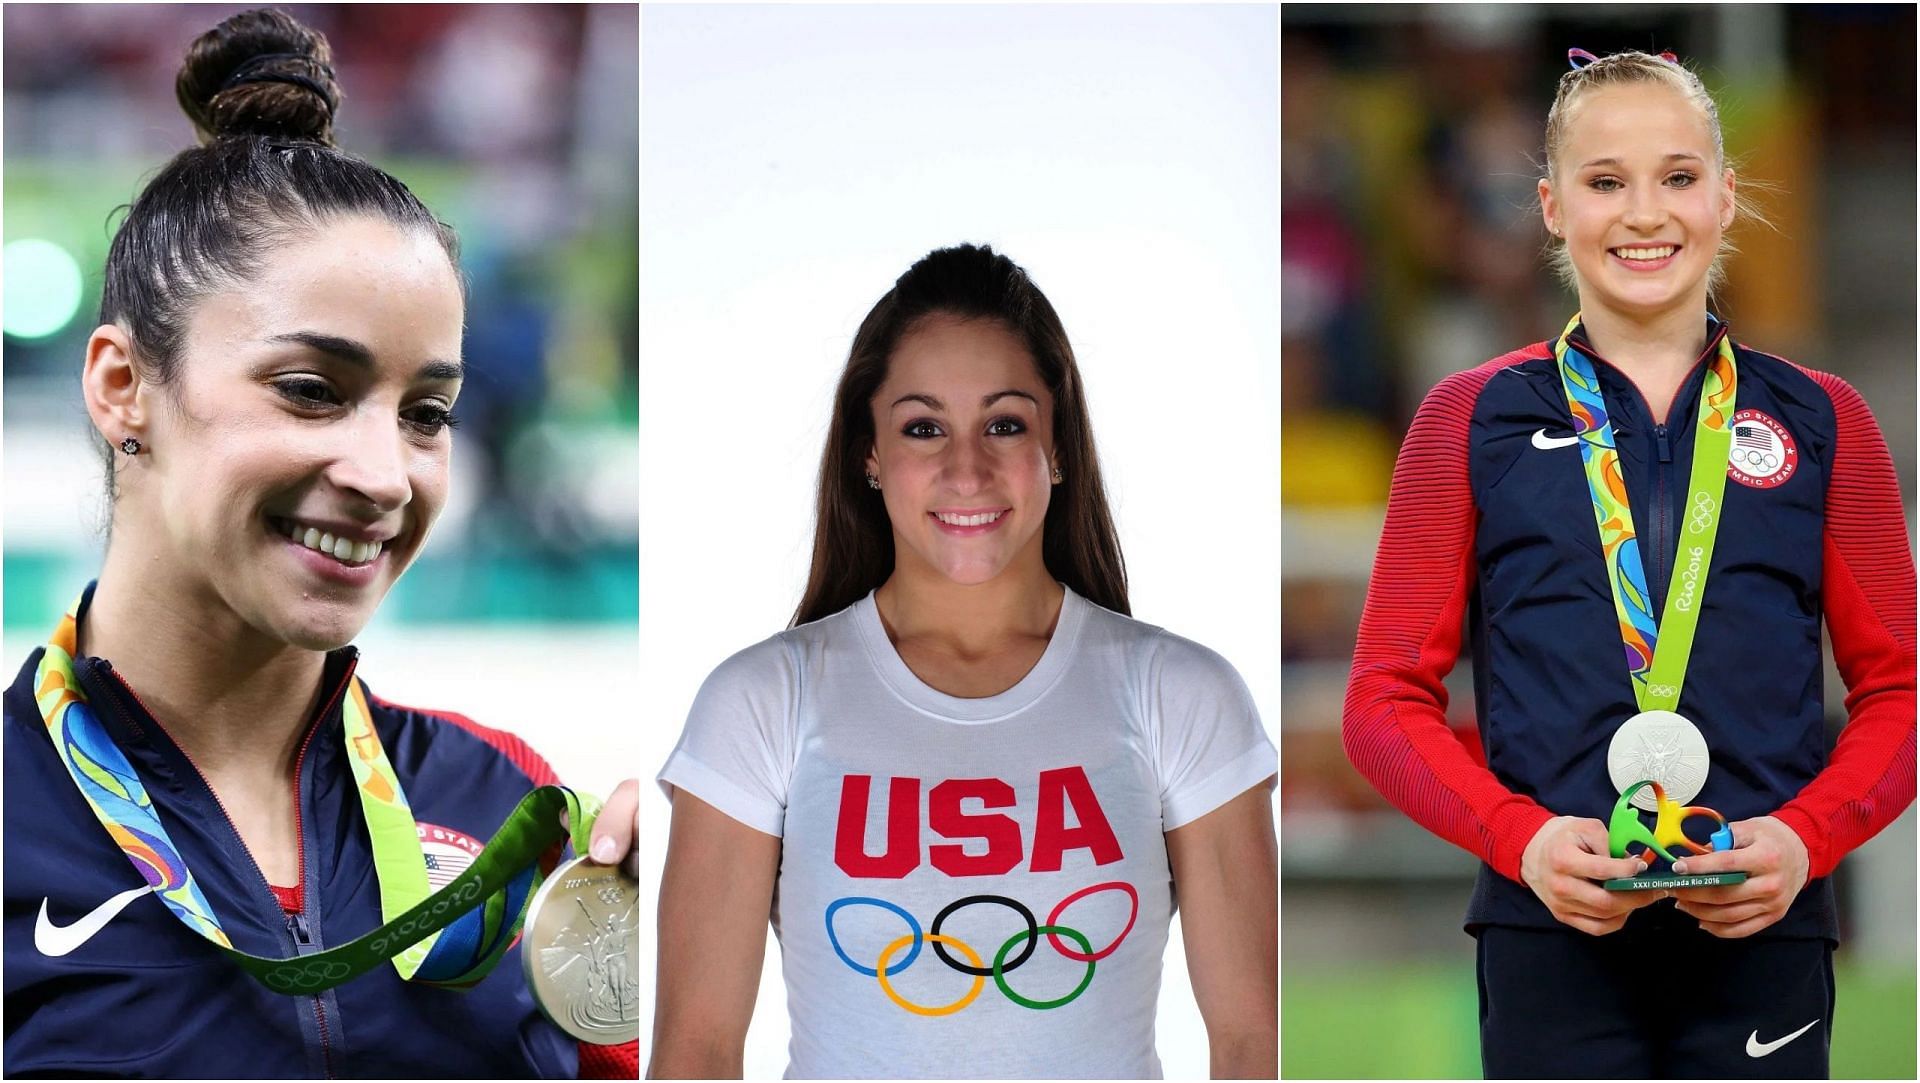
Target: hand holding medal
[[487, 900], [578, 951]]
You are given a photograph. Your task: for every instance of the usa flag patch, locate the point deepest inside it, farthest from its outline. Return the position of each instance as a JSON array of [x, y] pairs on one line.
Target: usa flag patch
[[1763, 455]]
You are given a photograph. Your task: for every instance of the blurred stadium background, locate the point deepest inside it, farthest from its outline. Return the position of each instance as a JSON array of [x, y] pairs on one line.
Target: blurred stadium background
[[518, 124], [1411, 248]]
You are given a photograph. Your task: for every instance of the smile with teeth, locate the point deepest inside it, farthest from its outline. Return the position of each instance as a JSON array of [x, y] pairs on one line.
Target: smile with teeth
[[1655, 253], [981, 519], [344, 550]]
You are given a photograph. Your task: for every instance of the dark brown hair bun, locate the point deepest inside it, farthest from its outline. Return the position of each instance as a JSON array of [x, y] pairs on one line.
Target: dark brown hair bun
[[260, 73]]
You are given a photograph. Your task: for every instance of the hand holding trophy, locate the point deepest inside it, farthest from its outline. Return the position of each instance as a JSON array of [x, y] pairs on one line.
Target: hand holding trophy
[[1625, 828]]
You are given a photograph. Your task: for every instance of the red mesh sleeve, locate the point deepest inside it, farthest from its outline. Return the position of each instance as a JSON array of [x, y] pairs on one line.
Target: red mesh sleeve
[[610, 1061], [1394, 725], [1867, 591]]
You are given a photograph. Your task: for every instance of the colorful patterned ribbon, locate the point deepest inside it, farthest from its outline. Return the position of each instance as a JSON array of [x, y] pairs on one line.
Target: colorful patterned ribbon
[[480, 910], [1657, 676]]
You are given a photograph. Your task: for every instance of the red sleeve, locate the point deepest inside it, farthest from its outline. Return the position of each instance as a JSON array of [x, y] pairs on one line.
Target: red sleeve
[[1395, 723], [1867, 591], [610, 1061]]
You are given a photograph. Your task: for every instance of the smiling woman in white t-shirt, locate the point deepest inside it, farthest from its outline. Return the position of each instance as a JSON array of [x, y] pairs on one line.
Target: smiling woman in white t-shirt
[[965, 784]]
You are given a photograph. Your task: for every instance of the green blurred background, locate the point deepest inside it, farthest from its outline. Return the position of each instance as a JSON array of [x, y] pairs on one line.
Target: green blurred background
[[1411, 248], [516, 123]]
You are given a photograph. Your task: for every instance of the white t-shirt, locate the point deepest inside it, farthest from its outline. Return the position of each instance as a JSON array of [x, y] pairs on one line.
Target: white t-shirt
[[904, 810]]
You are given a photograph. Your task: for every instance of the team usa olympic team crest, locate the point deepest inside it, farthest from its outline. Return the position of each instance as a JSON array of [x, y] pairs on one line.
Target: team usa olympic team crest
[[1059, 791], [1764, 455]]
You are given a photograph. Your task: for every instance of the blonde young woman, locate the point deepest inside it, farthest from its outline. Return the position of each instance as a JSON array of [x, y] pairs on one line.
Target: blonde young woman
[[1742, 501]]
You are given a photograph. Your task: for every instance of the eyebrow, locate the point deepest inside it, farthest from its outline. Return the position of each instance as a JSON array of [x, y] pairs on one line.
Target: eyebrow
[[985, 400], [1678, 156], [358, 354]]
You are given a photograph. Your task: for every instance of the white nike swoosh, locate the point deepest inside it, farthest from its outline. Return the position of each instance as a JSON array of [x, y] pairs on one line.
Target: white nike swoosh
[[1758, 1048], [56, 940], [1547, 443]]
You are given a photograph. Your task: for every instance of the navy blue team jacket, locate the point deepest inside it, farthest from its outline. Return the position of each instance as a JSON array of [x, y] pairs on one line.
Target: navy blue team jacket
[[146, 996], [1490, 525]]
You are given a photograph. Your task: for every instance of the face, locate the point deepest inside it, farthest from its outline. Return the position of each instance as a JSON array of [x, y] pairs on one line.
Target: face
[[963, 449], [1639, 201], [300, 455]]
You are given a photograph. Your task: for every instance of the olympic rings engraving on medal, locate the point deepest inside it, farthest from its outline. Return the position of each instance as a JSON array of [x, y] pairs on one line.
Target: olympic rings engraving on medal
[[1701, 517], [861, 900], [915, 938], [1052, 931], [976, 969], [979, 983], [1093, 956]]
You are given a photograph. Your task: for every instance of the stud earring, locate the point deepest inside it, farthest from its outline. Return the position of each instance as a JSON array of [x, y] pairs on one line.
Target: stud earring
[[1058, 477], [872, 482], [130, 446]]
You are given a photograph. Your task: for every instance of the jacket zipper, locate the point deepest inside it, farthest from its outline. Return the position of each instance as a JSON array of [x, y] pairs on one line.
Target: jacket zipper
[[1662, 524], [296, 924], [297, 921]]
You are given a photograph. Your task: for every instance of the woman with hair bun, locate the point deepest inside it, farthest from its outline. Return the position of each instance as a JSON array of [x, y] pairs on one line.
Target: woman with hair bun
[[966, 784], [194, 774], [1643, 488]]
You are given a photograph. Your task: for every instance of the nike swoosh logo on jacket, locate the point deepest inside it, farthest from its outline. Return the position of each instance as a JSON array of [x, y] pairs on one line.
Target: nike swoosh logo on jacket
[[57, 940]]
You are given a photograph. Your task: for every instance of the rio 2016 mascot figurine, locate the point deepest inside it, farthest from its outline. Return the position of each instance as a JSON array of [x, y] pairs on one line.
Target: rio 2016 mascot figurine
[[1626, 828]]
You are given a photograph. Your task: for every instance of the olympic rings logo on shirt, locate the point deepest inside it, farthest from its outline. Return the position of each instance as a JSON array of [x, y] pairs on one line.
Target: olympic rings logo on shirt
[[1702, 515], [884, 968]]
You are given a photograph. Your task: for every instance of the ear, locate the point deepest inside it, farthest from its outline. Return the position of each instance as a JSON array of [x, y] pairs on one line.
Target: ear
[[112, 386], [1727, 213], [1549, 212]]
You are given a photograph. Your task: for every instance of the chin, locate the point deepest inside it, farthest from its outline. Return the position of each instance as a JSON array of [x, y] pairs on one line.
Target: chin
[[972, 573], [320, 627]]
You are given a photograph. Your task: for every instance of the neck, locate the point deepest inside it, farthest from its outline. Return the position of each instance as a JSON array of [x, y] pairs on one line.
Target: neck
[[1635, 345], [236, 703], [920, 604], [1655, 353]]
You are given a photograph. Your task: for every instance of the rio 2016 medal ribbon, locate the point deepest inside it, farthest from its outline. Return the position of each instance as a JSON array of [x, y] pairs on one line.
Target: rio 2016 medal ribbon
[[579, 954], [1658, 743], [481, 908]]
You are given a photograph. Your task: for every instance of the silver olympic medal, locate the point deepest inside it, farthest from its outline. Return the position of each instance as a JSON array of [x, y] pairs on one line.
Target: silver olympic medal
[[1662, 746], [578, 951]]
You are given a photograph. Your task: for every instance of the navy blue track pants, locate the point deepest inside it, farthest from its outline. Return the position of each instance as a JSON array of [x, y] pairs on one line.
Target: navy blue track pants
[[1673, 1003]]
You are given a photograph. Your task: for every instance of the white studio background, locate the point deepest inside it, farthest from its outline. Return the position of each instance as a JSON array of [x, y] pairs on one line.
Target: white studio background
[[795, 160]]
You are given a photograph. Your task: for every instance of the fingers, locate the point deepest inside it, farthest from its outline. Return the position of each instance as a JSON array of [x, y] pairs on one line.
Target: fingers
[[614, 829], [1747, 860], [1730, 913], [1742, 928], [1581, 850]]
